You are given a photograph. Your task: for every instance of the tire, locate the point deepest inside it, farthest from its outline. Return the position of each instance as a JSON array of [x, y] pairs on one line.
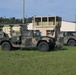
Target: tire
[[71, 43], [6, 46], [43, 46]]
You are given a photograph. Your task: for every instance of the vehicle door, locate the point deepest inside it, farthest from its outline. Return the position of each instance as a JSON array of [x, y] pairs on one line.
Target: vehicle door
[[27, 38], [36, 37], [66, 37]]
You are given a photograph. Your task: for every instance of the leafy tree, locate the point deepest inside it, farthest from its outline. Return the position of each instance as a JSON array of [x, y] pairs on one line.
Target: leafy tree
[[13, 20]]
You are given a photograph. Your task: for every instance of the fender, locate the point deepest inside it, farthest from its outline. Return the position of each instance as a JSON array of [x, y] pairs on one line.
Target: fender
[[49, 39]]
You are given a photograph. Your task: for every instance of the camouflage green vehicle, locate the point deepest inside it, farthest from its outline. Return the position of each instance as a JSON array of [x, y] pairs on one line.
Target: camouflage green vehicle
[[25, 39], [70, 38]]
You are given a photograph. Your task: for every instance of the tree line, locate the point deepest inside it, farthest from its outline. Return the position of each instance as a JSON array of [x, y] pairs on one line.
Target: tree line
[[13, 20]]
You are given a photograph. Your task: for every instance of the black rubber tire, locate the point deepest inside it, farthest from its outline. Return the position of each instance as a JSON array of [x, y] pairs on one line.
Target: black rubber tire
[[71, 43], [6, 46], [43, 46]]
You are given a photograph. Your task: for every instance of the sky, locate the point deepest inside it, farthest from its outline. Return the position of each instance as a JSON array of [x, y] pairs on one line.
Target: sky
[[63, 8]]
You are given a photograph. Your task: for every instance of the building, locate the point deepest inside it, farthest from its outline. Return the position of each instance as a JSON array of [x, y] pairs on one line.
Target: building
[[67, 26], [30, 26]]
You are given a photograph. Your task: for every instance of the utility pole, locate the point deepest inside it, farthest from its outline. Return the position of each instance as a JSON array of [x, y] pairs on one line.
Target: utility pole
[[75, 22], [23, 12]]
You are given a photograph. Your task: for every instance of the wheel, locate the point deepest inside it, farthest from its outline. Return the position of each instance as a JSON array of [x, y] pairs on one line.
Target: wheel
[[6, 46], [71, 42], [43, 46]]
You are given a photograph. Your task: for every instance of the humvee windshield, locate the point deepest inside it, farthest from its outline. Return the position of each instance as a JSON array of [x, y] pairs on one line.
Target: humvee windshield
[[37, 33], [27, 33], [68, 34]]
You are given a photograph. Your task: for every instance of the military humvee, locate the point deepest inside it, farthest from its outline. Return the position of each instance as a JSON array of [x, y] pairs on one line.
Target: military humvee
[[70, 38], [25, 39]]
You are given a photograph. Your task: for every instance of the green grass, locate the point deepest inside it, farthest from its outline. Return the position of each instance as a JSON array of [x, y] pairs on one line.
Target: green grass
[[60, 62]]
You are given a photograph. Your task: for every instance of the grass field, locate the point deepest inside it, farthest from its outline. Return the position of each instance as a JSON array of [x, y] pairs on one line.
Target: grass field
[[20, 62]]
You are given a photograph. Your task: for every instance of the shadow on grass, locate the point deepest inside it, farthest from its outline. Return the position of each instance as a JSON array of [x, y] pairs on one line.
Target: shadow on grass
[[24, 49], [35, 49], [60, 48]]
